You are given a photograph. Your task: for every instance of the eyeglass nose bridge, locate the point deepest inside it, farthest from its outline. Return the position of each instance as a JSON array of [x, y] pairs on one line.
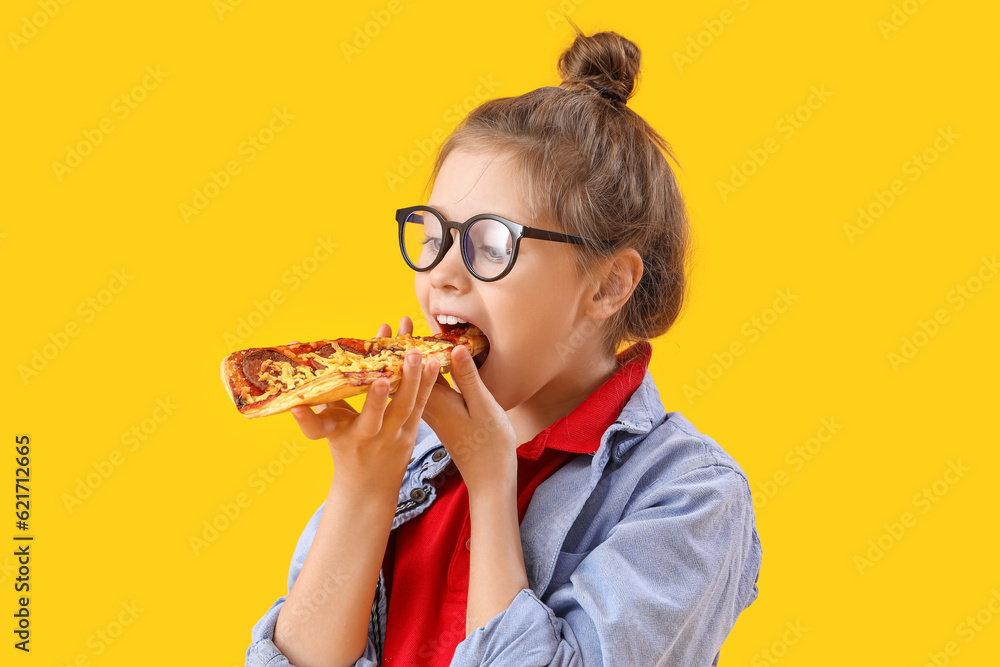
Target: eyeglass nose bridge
[[448, 240]]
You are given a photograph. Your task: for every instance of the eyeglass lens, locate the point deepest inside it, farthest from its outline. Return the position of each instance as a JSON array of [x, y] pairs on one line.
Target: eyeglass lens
[[488, 243]]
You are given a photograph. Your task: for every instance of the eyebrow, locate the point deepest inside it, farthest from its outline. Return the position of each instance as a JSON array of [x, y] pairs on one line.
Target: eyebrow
[[438, 209], [442, 212]]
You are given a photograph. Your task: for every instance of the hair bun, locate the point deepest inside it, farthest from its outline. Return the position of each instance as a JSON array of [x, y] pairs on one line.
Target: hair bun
[[604, 62]]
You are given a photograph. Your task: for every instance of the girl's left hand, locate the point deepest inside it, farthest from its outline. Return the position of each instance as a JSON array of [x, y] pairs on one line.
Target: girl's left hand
[[473, 427]]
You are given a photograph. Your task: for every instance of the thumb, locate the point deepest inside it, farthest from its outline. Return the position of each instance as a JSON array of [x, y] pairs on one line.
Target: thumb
[[466, 375]]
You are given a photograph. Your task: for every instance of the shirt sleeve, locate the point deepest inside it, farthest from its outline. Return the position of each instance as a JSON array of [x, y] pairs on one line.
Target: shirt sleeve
[[262, 651], [665, 586]]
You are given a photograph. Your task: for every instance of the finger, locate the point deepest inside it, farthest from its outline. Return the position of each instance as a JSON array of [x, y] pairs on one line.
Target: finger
[[444, 400], [466, 376], [405, 326], [294, 342], [384, 331], [407, 392], [336, 405], [443, 381], [369, 422], [313, 425], [427, 381]]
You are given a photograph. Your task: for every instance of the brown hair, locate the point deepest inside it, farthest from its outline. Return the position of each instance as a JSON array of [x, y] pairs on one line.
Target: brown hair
[[593, 167]]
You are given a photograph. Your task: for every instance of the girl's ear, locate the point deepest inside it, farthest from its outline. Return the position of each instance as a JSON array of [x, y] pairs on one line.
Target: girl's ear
[[616, 281]]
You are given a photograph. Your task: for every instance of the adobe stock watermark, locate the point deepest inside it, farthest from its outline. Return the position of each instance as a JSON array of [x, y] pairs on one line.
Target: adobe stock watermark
[[713, 29], [107, 635], [122, 107], [752, 330], [958, 297], [899, 16], [88, 309], [131, 440], [364, 34], [223, 7], [249, 148], [779, 648], [967, 630], [30, 25], [796, 458], [430, 650], [583, 335], [230, 511], [471, 443], [566, 9], [420, 325], [294, 277], [407, 163], [7, 569], [313, 601], [786, 126], [923, 501], [914, 167]]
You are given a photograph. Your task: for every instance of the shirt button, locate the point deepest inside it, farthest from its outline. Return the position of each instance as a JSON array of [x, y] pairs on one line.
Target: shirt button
[[418, 495], [468, 544], [438, 455]]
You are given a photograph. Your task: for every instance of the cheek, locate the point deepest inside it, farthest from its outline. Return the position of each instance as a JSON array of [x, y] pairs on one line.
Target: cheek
[[527, 336], [534, 311]]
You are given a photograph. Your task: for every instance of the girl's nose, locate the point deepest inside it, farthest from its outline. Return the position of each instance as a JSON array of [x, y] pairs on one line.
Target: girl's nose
[[450, 271]]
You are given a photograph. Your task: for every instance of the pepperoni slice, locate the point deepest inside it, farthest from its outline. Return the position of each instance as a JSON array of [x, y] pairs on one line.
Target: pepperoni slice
[[355, 345], [252, 363]]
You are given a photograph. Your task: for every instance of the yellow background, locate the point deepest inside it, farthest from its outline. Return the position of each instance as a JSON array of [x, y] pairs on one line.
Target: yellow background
[[357, 118]]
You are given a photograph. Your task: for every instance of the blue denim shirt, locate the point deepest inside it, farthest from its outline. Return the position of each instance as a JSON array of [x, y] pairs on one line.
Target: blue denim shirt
[[643, 553]]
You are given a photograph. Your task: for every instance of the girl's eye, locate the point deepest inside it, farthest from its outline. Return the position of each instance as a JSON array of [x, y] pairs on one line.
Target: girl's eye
[[494, 254], [434, 243]]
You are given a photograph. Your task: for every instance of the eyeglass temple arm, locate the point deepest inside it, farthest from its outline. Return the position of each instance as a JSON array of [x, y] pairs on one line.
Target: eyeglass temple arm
[[533, 233]]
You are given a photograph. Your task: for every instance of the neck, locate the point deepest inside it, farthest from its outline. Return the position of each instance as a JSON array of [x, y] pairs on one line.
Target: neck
[[559, 398]]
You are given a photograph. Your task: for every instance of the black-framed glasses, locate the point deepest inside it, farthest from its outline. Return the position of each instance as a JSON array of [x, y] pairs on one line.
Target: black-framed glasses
[[489, 242]]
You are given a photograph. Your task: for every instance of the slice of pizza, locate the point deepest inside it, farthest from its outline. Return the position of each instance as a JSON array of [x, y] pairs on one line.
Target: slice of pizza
[[264, 381]]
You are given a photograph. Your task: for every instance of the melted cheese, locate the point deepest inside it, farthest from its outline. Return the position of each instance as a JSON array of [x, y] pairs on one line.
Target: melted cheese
[[282, 376]]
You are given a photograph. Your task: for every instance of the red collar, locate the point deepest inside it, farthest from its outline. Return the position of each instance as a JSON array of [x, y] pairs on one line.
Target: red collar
[[581, 430]]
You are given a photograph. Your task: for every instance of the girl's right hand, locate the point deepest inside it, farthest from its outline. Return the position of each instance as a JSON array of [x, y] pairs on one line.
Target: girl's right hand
[[374, 447]]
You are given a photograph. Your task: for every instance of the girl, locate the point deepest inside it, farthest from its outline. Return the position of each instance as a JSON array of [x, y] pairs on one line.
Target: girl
[[547, 510]]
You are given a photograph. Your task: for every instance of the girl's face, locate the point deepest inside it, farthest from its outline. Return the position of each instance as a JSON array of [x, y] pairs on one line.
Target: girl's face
[[530, 314]]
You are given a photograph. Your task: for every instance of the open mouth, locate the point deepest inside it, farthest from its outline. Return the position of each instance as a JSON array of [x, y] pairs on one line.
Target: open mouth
[[478, 359]]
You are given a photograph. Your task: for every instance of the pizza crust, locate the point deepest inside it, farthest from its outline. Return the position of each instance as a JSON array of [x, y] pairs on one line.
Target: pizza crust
[[333, 385]]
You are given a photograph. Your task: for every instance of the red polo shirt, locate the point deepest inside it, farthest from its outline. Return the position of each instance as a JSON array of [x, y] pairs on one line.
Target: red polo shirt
[[430, 552]]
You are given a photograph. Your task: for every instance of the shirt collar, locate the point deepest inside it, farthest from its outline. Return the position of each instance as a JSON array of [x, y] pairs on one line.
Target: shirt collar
[[582, 429]]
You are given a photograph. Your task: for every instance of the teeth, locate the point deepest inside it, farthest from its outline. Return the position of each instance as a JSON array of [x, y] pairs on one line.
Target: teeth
[[450, 319]]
